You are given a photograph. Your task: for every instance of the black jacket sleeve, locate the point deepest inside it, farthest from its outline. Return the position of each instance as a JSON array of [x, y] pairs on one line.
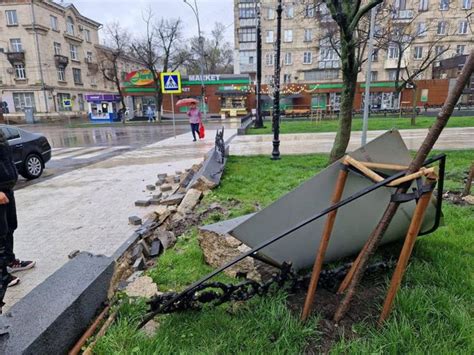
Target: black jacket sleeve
[[8, 173]]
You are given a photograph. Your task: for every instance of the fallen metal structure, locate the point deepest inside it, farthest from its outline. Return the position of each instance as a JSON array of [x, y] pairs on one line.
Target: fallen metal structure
[[358, 188]]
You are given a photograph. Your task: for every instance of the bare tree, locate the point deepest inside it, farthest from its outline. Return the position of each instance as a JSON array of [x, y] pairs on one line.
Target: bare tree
[[218, 53], [111, 55], [411, 61], [146, 49]]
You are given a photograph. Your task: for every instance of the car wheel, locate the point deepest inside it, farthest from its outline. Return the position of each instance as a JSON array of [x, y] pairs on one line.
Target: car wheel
[[33, 167]]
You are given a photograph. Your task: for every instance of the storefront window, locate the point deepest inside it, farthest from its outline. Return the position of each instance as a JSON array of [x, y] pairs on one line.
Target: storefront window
[[24, 99]]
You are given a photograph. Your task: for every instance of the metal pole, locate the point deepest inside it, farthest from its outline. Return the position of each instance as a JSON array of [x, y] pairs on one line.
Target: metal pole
[[276, 97], [365, 121], [174, 122], [39, 57], [259, 118]]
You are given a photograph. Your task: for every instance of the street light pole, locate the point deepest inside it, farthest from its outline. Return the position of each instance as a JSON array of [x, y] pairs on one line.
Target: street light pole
[[365, 121], [258, 86], [201, 50], [276, 96]]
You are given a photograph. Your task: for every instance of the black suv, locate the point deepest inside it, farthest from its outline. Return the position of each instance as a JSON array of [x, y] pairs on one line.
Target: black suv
[[30, 150]]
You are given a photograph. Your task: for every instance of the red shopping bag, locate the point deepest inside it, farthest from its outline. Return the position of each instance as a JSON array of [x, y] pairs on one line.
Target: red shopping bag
[[202, 132]]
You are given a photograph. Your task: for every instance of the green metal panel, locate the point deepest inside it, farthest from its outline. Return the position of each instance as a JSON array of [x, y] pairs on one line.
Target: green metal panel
[[319, 101], [380, 85]]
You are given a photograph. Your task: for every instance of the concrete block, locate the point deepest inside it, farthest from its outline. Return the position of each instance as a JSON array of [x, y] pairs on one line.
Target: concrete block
[[54, 315], [166, 187], [157, 195], [155, 249], [154, 201], [134, 220], [177, 179], [174, 199], [151, 187], [162, 176], [142, 203], [139, 264], [146, 248], [189, 201], [137, 251]]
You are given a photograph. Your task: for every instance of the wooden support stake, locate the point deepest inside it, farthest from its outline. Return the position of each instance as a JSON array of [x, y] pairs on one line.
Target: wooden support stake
[[363, 169], [384, 166], [419, 173], [407, 249], [323, 244]]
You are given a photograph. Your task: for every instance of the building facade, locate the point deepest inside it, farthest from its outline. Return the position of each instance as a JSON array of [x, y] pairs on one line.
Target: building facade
[[49, 58], [415, 30]]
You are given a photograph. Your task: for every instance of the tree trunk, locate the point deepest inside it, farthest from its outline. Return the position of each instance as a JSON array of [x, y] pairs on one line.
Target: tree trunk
[[349, 78], [415, 165], [467, 187]]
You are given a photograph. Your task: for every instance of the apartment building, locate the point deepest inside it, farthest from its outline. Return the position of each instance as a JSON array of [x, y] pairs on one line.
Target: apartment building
[[420, 27], [49, 58]]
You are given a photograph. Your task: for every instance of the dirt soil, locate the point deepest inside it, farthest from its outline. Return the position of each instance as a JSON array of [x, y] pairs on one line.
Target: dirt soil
[[365, 308]]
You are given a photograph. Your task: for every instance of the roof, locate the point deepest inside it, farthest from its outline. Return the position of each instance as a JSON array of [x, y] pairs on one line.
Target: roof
[[70, 6]]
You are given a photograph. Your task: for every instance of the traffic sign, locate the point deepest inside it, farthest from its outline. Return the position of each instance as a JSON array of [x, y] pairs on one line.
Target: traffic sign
[[171, 83], [67, 103]]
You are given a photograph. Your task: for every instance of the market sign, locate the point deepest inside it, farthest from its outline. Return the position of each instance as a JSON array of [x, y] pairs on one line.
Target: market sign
[[140, 77]]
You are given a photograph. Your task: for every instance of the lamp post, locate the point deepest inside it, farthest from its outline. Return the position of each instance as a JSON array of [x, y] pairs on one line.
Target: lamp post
[[276, 97], [201, 49], [258, 86]]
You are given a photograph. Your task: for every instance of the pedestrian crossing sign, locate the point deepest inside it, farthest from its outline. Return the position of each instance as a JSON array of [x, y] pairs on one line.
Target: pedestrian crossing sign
[[171, 83]]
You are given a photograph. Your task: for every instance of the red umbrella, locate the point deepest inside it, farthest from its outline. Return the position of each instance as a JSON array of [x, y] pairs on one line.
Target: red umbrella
[[186, 102]]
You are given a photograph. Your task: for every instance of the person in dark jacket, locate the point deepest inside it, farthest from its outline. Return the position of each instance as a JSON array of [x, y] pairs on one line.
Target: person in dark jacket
[[8, 220]]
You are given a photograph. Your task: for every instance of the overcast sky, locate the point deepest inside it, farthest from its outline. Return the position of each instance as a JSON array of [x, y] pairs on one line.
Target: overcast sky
[[129, 13]]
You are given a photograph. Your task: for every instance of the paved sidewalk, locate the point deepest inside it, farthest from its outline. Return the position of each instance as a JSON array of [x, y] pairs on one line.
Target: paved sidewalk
[[88, 209], [306, 143]]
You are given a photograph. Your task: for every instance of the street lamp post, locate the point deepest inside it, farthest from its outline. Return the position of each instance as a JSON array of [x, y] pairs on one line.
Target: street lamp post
[[276, 96], [258, 86], [201, 49]]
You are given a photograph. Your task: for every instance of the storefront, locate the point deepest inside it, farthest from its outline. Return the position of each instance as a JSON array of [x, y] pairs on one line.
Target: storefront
[[103, 107]]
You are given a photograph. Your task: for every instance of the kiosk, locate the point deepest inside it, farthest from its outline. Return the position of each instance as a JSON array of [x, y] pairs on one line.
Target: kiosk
[[103, 107]]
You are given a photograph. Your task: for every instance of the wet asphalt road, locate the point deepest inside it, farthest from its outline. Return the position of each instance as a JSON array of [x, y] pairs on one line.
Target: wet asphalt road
[[74, 148]]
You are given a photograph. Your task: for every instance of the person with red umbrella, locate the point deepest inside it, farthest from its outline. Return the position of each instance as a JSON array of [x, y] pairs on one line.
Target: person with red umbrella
[[195, 120]]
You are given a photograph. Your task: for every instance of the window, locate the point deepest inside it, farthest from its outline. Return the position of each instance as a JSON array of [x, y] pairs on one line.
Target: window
[[251, 60], [269, 37], [373, 76], [11, 133], [439, 50], [270, 14], [288, 36], [269, 59], [423, 5], [57, 48], [466, 4], [288, 58], [20, 72], [393, 52], [441, 28], [418, 53], [463, 25], [444, 4], [73, 50], [70, 25], [54, 23], [15, 44], [308, 35], [61, 74], [23, 99], [12, 19], [247, 34], [400, 4], [309, 11], [290, 11], [421, 29], [247, 10], [375, 55], [392, 74], [307, 58], [287, 78], [460, 49], [61, 97], [268, 79], [315, 75], [87, 35], [89, 57], [327, 54], [76, 73]]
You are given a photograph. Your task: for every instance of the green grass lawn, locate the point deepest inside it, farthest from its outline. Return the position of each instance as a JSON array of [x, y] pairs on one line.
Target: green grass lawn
[[374, 124], [433, 311]]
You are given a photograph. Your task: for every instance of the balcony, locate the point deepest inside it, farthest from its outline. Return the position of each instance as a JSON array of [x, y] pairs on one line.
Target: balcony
[[403, 15], [61, 60], [16, 57]]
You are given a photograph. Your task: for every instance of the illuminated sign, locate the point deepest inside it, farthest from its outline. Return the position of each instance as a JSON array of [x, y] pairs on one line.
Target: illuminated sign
[[140, 77]]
